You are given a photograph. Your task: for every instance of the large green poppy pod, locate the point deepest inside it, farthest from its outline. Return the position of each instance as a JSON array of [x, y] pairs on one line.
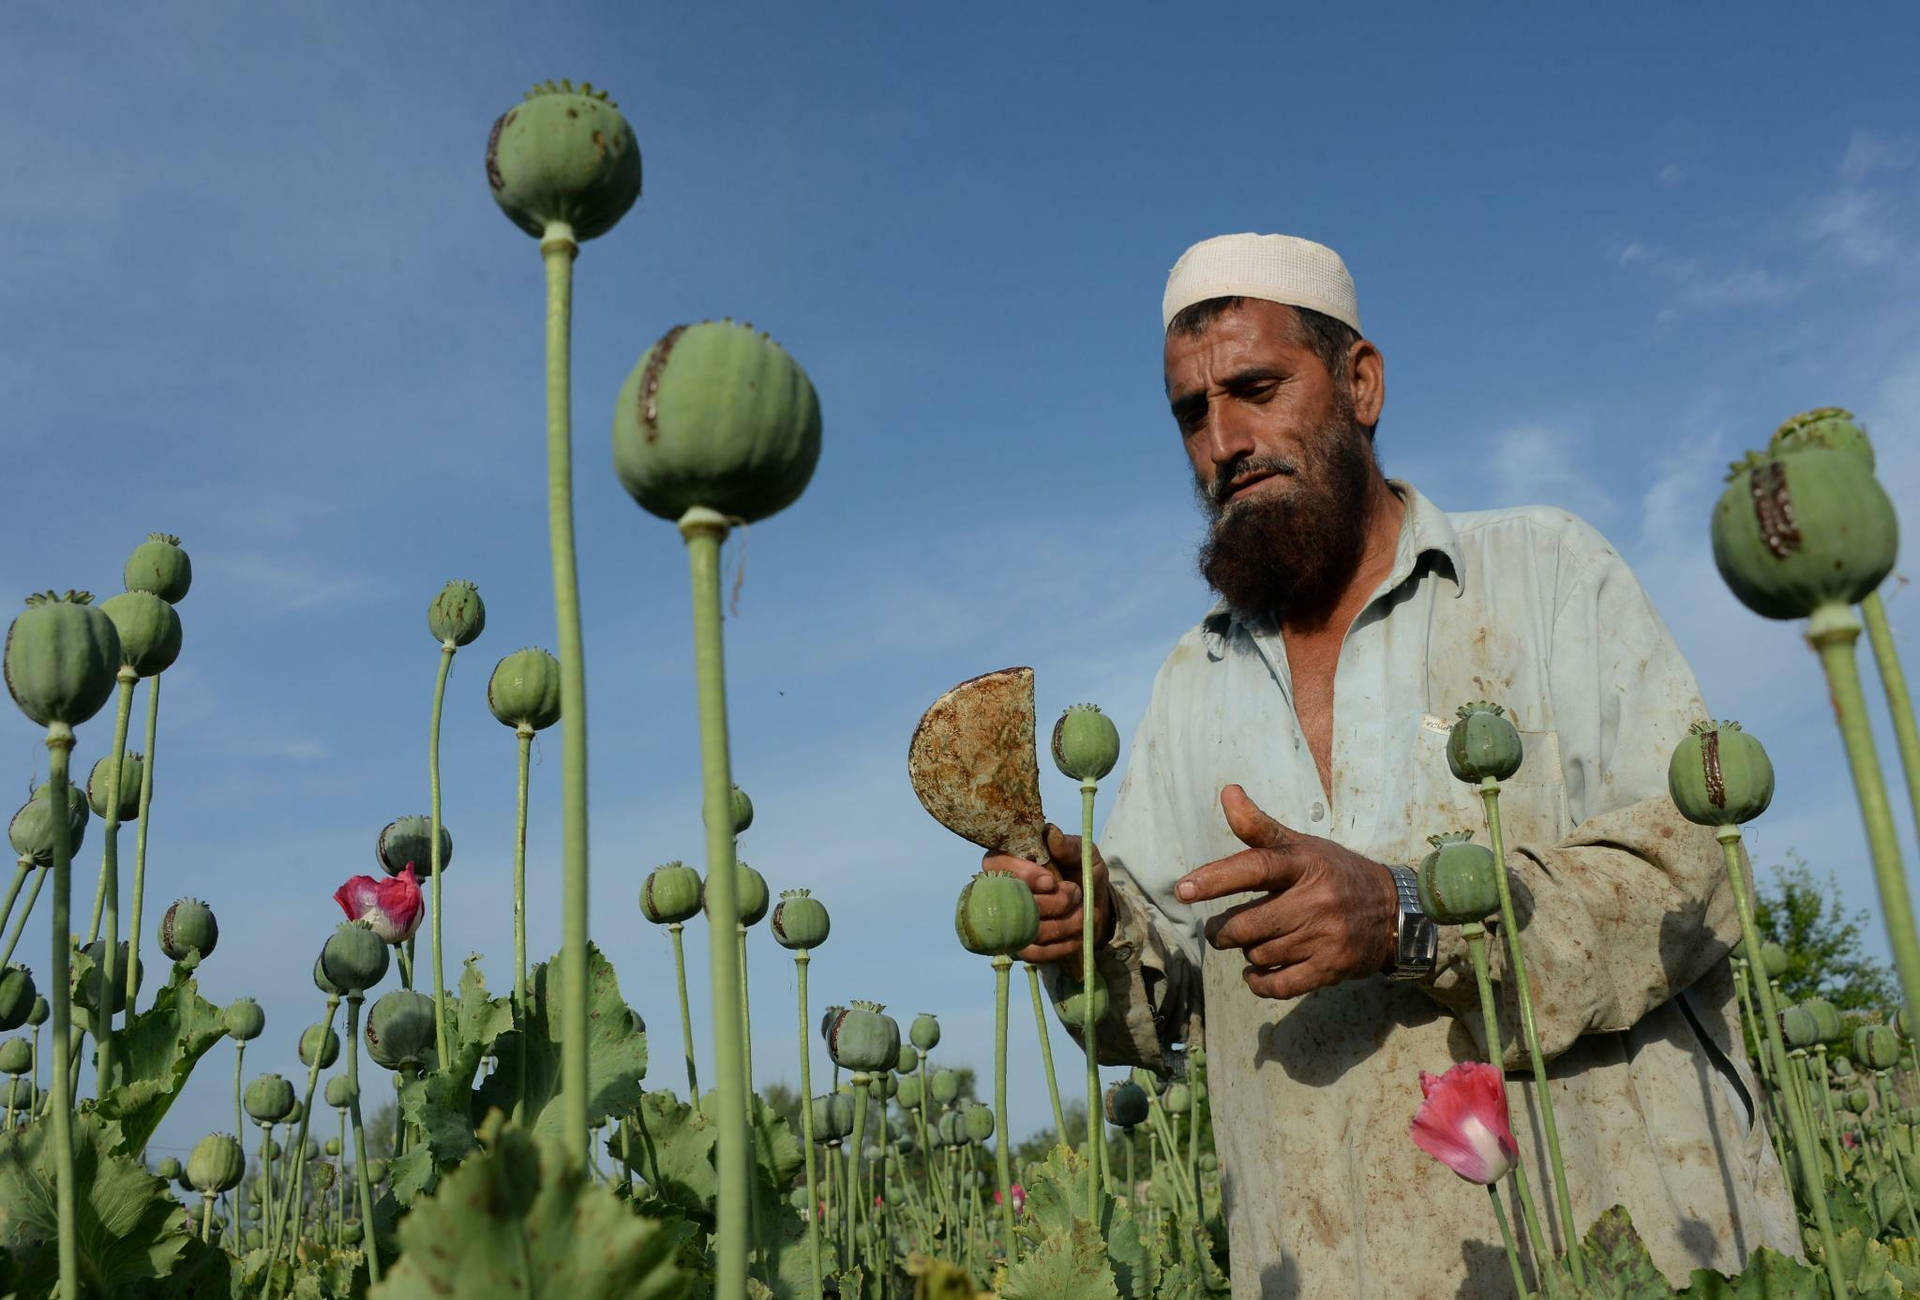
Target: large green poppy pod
[[883, 1085], [1876, 1047], [977, 1120], [1177, 1099], [1830, 427], [84, 989], [720, 416], [800, 920], [1072, 1002], [861, 1039], [170, 1169], [61, 658], [16, 1056], [672, 894], [244, 1020], [269, 1099], [400, 1030], [354, 958], [188, 927], [524, 690], [911, 1093], [410, 840], [1858, 1100], [741, 809], [1127, 1105], [149, 631], [1459, 881], [352, 1234], [38, 1015], [457, 616], [159, 565], [1793, 533], [100, 778], [925, 1032], [1826, 1018], [750, 891], [332, 1147], [908, 1061], [1086, 744], [1482, 743], [31, 830], [16, 997], [996, 915], [563, 155], [1773, 960], [1719, 775], [341, 1092], [325, 982], [951, 1129], [1798, 1027], [1900, 1025], [945, 1086], [217, 1164]]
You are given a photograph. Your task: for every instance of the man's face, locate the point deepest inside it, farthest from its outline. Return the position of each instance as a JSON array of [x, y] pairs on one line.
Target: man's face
[[1281, 464]]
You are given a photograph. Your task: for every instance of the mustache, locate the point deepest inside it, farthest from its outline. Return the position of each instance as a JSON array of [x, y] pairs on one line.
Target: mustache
[[1225, 479]]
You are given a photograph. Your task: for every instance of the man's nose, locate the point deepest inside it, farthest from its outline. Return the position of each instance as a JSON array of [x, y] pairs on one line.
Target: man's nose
[[1230, 436]]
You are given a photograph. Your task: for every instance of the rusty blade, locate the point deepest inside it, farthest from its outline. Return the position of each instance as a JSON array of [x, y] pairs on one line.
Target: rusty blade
[[974, 764]]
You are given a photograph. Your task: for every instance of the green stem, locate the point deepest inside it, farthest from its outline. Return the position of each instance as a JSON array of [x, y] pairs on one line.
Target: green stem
[[800, 960], [1475, 936], [703, 530], [1893, 679], [1883, 1090], [107, 981], [360, 1138], [435, 868], [299, 1154], [558, 249], [1003, 1163], [1818, 1083], [59, 750], [854, 1207], [1157, 1119], [686, 1016], [20, 922], [239, 1127], [1510, 928], [1046, 1052], [1804, 1147], [524, 735], [403, 957], [21, 868], [1089, 1031], [1520, 1287], [140, 843], [1832, 632], [746, 1009], [206, 1216]]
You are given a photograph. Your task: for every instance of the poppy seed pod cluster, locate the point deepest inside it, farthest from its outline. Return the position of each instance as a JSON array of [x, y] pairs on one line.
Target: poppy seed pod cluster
[[408, 841], [716, 415], [1483, 744], [149, 631], [860, 1038], [243, 1020], [924, 1033], [269, 1099], [216, 1164], [30, 833], [1876, 1047], [1719, 775], [355, 957]]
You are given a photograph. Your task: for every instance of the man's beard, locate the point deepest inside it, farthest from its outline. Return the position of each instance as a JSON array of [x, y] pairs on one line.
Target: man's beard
[[1290, 553]]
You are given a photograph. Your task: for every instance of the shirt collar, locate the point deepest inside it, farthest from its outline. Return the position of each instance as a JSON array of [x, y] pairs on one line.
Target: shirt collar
[[1425, 531]]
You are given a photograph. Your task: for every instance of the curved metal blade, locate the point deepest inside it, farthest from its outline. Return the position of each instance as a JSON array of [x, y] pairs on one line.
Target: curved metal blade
[[975, 767]]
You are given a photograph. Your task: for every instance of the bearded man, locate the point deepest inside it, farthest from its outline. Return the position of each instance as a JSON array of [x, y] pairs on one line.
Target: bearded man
[[1288, 770]]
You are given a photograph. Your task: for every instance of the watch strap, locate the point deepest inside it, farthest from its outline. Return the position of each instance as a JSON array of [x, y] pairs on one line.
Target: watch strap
[[1416, 940]]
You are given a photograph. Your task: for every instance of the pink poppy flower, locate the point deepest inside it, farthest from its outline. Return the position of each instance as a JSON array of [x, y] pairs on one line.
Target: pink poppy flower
[[1463, 1122], [391, 907], [1019, 1197]]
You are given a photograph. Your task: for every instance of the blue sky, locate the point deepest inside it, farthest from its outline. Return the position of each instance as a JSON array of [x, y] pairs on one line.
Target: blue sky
[[258, 295]]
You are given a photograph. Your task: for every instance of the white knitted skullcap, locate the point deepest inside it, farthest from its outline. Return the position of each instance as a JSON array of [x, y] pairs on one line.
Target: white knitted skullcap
[[1275, 268]]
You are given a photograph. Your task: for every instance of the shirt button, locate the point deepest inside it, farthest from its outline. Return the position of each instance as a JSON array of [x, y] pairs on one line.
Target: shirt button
[[1319, 811]]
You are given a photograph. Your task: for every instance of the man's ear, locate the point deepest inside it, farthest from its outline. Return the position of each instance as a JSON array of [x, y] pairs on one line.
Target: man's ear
[[1366, 381]]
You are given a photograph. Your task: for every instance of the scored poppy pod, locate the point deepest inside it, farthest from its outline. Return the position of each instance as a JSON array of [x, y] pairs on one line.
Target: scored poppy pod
[[1463, 1122]]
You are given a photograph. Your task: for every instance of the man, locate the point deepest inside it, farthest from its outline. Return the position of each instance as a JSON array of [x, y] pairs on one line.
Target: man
[[1294, 752]]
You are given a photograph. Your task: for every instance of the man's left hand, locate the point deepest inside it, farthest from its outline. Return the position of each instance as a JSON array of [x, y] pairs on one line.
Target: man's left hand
[[1324, 913]]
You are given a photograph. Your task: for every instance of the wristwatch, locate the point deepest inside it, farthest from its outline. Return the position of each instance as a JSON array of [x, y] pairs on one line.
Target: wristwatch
[[1416, 941]]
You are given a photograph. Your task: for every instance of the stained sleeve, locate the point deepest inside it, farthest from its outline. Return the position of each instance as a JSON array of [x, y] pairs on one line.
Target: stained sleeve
[[1633, 905]]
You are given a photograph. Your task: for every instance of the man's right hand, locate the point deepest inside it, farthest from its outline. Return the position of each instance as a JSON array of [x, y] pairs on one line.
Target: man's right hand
[[1058, 889]]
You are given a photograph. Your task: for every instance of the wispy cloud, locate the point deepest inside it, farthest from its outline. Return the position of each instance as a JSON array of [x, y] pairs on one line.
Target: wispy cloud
[[284, 585], [1537, 464], [1696, 285]]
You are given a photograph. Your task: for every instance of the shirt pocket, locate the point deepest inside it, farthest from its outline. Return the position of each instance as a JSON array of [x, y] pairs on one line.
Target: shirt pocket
[[1533, 801]]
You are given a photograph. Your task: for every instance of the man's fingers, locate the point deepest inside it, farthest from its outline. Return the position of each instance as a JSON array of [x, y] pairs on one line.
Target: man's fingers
[[1061, 903], [1042, 954], [1254, 828], [1288, 949], [1041, 880], [1250, 869], [1285, 981], [1250, 923]]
